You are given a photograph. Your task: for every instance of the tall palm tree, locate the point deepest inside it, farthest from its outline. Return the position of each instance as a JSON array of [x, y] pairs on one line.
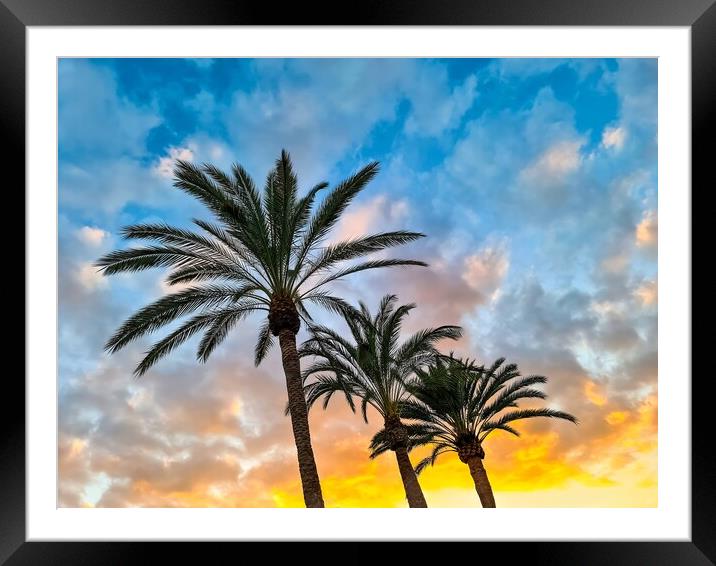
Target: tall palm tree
[[372, 366], [266, 252], [457, 404]]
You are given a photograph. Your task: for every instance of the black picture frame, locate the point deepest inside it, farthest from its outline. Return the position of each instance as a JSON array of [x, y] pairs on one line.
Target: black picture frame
[[16, 15]]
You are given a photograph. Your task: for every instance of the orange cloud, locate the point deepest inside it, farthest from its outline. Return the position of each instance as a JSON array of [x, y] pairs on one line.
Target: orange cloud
[[647, 293], [594, 393], [616, 417], [647, 230]]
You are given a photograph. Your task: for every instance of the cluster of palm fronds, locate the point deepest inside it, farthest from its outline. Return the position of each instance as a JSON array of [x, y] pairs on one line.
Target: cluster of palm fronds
[[267, 252]]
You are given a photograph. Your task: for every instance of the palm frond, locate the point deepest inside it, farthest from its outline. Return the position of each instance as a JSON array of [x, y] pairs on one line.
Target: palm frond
[[430, 460], [373, 264], [263, 344], [173, 340], [171, 307], [328, 302], [356, 248], [531, 414], [139, 259], [194, 181], [330, 210], [221, 325], [423, 342], [204, 271]]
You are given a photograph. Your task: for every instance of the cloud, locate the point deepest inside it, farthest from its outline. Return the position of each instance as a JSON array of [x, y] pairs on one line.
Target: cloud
[[616, 263], [434, 108], [499, 143], [92, 119], [485, 270], [89, 276], [470, 279], [320, 117], [647, 293], [647, 230], [614, 137], [555, 164], [165, 166], [92, 236], [617, 417], [593, 394], [378, 214], [173, 439]]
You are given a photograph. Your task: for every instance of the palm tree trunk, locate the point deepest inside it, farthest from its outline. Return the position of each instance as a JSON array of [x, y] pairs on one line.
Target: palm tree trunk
[[482, 482], [410, 481], [299, 420]]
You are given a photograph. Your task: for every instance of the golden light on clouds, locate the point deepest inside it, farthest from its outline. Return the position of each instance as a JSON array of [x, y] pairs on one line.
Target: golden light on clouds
[[616, 417], [647, 293], [594, 393], [235, 407], [77, 445], [647, 230]]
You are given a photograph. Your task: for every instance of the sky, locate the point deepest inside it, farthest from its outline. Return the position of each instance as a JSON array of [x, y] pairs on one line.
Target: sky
[[535, 181]]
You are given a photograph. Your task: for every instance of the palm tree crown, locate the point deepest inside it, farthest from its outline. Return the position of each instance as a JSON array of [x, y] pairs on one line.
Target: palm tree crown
[[266, 252], [371, 365], [458, 404]]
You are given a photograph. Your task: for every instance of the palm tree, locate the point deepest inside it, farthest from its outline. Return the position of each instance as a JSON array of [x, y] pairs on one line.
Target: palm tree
[[372, 367], [457, 404], [265, 253]]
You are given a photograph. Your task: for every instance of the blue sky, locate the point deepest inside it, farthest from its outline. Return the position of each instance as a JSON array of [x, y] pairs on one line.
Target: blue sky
[[534, 179]]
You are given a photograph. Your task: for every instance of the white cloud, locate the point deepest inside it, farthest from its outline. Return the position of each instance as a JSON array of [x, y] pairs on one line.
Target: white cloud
[[607, 308], [216, 151], [93, 118], [614, 138], [485, 270], [636, 84], [435, 109], [555, 163], [90, 277], [379, 213], [330, 111], [106, 186], [165, 166], [91, 236]]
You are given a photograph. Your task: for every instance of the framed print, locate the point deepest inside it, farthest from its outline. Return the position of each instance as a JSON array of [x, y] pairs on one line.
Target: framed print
[[436, 257]]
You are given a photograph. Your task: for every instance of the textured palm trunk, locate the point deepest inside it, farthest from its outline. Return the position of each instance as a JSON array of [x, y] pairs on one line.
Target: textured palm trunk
[[482, 482], [299, 420], [410, 481]]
